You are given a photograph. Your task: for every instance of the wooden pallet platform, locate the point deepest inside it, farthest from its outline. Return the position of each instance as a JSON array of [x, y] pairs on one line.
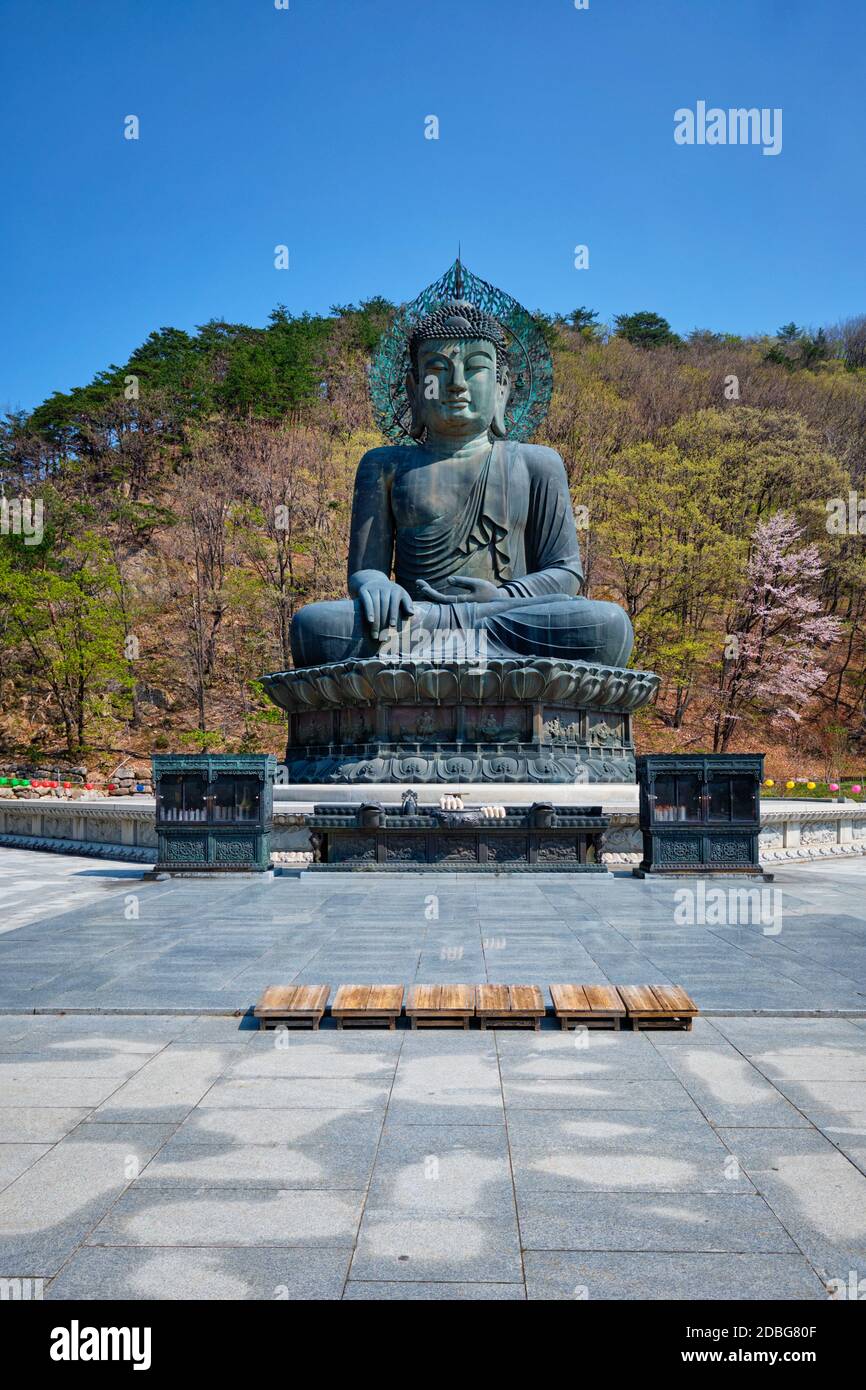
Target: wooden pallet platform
[[587, 1006], [292, 1006], [367, 1006], [441, 1006], [658, 1006], [509, 1006]]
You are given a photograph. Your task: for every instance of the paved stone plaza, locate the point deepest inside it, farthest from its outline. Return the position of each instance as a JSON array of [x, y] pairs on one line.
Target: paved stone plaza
[[214, 946], [168, 1152]]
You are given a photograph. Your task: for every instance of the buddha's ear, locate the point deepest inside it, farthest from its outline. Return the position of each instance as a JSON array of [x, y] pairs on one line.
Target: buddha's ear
[[497, 424], [417, 427]]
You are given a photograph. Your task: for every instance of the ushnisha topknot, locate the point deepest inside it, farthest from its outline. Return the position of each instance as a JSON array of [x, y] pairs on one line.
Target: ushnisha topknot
[[459, 319]]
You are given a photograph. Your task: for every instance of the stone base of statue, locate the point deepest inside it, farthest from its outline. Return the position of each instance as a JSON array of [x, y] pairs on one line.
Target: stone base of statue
[[530, 720]]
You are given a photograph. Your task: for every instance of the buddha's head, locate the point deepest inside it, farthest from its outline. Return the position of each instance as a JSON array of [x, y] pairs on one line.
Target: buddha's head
[[458, 379]]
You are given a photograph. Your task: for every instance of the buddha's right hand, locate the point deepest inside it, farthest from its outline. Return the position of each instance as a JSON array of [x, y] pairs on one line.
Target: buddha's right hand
[[383, 603]]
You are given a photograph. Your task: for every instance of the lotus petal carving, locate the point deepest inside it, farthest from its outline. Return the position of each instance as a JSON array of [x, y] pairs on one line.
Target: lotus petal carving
[[395, 685], [279, 693], [481, 685], [330, 688], [454, 769], [356, 679], [502, 769], [561, 686], [440, 684], [588, 684], [415, 769], [370, 680], [525, 683], [306, 690], [612, 687]]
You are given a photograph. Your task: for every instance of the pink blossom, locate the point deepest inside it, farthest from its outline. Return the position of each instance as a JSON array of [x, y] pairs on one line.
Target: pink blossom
[[781, 629]]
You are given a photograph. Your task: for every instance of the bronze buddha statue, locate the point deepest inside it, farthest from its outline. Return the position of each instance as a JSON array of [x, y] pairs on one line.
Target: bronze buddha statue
[[465, 651], [460, 530]]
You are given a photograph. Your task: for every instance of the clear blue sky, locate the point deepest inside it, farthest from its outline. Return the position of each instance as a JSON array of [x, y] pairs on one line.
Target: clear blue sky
[[306, 127]]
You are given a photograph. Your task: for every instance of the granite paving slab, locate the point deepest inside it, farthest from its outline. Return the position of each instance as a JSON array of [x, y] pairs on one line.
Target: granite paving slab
[[16, 1158], [39, 1124], [47, 1212], [569, 1157], [818, 1194], [661, 1276], [154, 1215], [638, 1221], [398, 1246], [329, 1159], [295, 1127], [597, 1093], [304, 1092], [285, 1054], [367, 1290], [445, 1170], [228, 1273], [170, 1084], [820, 1101]]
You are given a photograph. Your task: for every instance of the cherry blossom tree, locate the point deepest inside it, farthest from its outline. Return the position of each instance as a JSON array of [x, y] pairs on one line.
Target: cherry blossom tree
[[777, 630]]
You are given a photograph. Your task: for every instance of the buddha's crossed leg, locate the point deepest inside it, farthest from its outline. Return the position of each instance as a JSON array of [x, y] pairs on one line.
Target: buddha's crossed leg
[[573, 629]]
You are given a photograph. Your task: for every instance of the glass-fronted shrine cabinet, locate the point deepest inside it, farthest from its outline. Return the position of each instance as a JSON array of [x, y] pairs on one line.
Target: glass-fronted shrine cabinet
[[700, 813], [214, 812]]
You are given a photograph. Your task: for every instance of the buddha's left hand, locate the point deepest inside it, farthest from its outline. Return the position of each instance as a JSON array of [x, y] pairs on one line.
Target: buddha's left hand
[[471, 590]]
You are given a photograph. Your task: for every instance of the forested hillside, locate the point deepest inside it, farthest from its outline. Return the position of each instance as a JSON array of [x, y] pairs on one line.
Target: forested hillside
[[197, 495]]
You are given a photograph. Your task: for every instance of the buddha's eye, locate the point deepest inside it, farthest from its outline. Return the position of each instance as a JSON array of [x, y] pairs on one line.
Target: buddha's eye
[[478, 364]]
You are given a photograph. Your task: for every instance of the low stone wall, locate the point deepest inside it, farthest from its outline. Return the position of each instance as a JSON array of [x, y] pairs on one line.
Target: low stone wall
[[789, 834], [824, 830], [106, 830], [118, 829], [123, 829]]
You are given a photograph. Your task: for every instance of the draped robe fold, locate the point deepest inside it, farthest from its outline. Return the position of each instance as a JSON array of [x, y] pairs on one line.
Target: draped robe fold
[[514, 526]]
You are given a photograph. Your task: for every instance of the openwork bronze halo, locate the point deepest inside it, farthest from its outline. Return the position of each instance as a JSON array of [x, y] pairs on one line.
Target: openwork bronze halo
[[531, 368]]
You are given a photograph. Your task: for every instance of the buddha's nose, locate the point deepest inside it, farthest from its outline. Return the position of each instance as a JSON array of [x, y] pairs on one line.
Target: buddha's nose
[[458, 378]]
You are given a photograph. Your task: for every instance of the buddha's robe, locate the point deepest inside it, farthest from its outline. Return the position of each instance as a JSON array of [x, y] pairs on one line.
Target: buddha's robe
[[511, 524]]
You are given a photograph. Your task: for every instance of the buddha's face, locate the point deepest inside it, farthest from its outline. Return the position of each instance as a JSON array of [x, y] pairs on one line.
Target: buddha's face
[[456, 393]]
